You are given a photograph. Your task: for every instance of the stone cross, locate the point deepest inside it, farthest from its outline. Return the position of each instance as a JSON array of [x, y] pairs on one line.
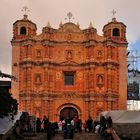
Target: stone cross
[[113, 13], [70, 16], [25, 9]]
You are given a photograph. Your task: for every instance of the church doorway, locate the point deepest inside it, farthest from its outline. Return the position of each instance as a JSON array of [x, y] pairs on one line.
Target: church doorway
[[68, 112]]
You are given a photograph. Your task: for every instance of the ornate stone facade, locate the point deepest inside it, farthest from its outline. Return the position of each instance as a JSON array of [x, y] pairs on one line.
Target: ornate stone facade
[[69, 68]]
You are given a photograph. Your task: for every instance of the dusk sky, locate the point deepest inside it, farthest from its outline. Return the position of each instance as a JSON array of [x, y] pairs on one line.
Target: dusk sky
[[84, 11]]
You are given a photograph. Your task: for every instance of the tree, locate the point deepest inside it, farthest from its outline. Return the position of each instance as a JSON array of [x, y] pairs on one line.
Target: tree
[[8, 105]]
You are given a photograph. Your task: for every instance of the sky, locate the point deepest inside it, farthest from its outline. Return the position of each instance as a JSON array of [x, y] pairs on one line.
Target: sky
[[99, 12]]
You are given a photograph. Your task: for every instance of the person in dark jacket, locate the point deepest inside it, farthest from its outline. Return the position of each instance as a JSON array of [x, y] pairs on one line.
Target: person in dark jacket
[[48, 129], [38, 125], [109, 122], [89, 124]]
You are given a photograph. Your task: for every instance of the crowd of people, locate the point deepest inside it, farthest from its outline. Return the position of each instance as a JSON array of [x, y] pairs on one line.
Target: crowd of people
[[67, 126]]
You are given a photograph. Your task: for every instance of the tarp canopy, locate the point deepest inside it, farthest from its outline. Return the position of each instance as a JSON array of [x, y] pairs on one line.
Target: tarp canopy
[[6, 123], [123, 116]]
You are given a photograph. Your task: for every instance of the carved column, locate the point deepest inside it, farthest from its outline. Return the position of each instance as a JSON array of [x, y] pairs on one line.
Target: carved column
[[87, 111], [29, 51], [109, 101], [87, 52], [87, 79], [48, 108], [29, 78], [91, 108], [51, 109], [46, 51], [109, 51], [28, 102], [92, 79], [109, 78]]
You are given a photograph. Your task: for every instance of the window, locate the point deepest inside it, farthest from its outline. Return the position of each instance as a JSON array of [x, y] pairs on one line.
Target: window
[[69, 78], [22, 31], [116, 32]]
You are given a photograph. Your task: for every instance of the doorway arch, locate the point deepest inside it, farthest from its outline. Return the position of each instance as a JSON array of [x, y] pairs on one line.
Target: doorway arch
[[68, 112]]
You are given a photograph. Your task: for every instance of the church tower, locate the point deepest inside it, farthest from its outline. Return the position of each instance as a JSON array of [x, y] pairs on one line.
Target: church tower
[[23, 31], [115, 34]]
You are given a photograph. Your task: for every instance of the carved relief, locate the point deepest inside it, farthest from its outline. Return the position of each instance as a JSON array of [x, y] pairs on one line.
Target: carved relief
[[69, 55], [70, 95], [38, 53], [69, 37], [79, 75], [100, 104], [58, 75], [99, 53], [79, 54], [37, 103], [38, 79], [100, 80]]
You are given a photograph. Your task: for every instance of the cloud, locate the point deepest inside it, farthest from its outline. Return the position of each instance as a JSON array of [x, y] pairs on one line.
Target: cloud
[[84, 11]]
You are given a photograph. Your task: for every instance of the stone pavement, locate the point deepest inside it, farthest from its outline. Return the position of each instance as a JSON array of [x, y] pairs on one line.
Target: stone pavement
[[77, 136]]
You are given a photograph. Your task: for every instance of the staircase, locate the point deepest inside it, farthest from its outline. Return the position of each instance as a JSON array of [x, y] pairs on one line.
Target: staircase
[[77, 136]]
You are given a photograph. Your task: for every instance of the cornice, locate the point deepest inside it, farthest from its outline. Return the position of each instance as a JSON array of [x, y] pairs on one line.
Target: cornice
[[113, 43], [24, 42]]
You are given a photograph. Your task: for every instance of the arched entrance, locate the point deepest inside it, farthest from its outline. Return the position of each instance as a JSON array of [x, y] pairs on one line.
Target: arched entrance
[[68, 112]]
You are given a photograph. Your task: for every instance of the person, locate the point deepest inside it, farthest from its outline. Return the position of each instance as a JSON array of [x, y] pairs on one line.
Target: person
[[48, 128], [38, 125], [79, 125], [102, 124], [68, 130], [109, 122], [89, 124], [44, 122], [60, 126], [75, 119], [16, 131], [94, 124]]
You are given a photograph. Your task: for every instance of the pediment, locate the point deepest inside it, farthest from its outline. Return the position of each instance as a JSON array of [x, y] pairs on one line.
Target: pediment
[[69, 63]]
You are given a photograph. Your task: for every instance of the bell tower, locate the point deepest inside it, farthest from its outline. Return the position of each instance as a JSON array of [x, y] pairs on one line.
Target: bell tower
[[115, 30], [115, 36], [24, 28], [23, 32]]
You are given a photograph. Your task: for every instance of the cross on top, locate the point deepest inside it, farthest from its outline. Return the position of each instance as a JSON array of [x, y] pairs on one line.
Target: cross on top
[[70, 16], [113, 13], [25, 9]]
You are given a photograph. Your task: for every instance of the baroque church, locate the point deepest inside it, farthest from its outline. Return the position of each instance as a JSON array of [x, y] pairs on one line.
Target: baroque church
[[69, 71]]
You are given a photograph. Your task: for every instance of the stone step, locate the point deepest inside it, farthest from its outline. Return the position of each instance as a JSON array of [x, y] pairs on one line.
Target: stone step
[[77, 136]]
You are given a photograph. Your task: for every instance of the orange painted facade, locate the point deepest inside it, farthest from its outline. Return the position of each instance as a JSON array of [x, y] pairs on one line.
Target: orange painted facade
[[95, 65]]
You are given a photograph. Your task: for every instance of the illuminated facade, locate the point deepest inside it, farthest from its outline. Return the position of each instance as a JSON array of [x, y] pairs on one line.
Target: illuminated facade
[[69, 71]]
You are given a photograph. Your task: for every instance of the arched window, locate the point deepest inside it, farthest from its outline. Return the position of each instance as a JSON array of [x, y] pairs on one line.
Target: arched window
[[116, 32], [22, 31]]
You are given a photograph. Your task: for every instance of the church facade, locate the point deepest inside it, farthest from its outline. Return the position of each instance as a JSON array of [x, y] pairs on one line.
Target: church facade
[[69, 71]]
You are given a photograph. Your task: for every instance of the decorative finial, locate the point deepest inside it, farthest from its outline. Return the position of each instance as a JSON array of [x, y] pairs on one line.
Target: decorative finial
[[25, 9], [90, 25], [60, 24], [70, 16], [48, 25], [113, 13], [78, 24]]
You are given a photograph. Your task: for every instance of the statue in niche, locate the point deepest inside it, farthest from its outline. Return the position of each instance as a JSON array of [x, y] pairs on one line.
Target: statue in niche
[[38, 52], [38, 79], [100, 79], [69, 55], [100, 53]]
